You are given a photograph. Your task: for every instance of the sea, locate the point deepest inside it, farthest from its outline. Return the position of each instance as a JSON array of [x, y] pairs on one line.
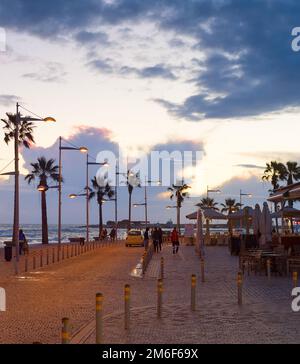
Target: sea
[[33, 233]]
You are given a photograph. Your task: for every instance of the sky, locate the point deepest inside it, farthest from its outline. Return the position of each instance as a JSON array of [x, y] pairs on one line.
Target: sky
[[218, 78]]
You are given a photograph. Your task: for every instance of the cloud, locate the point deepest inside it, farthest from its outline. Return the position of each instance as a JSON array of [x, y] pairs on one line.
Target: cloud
[[7, 100], [249, 67], [157, 71], [92, 38], [250, 166], [101, 65], [51, 72]]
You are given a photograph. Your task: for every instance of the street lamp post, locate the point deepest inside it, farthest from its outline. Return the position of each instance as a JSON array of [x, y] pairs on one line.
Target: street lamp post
[[208, 190], [88, 163], [16, 226], [61, 148], [146, 199]]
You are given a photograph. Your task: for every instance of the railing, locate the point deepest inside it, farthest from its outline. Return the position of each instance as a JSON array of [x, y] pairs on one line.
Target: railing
[[46, 256]]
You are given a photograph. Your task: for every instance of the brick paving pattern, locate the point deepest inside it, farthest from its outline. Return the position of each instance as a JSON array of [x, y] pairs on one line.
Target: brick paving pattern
[[37, 303]]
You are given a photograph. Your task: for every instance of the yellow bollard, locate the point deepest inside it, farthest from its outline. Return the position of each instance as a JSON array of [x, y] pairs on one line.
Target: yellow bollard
[[240, 288], [193, 292], [65, 333], [295, 279], [162, 268], [127, 306], [202, 270], [99, 318], [159, 297]]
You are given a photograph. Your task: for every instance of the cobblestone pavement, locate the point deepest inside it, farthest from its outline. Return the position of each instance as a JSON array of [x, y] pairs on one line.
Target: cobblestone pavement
[[37, 304], [265, 316]]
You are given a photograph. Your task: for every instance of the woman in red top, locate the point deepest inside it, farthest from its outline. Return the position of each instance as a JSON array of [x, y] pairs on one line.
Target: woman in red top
[[175, 241]]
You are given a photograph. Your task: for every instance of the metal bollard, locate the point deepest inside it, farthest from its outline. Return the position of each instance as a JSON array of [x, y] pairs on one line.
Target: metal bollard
[[269, 268], [41, 259], [47, 262], [99, 318], [65, 333], [127, 306], [63, 253], [202, 264], [58, 254], [159, 297], [240, 288], [53, 255], [33, 262], [162, 267], [295, 279], [193, 292]]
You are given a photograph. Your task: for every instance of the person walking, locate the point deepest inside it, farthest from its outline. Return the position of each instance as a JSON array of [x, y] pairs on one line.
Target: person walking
[[22, 241], [175, 241], [113, 234], [160, 238], [155, 238], [146, 238]]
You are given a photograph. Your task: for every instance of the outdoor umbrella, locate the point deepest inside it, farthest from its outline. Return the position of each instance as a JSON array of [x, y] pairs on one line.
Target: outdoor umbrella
[[266, 225], [256, 219], [209, 214]]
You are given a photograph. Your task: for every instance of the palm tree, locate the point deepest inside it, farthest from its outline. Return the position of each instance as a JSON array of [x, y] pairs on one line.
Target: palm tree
[[208, 203], [25, 130], [230, 206], [101, 191], [43, 170], [25, 138], [180, 193], [291, 175], [274, 173], [133, 180]]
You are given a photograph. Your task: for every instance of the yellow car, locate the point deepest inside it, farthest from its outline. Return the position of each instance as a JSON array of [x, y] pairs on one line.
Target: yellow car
[[135, 238]]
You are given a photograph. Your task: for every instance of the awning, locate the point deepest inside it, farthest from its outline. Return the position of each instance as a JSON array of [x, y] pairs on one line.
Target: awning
[[291, 192], [286, 212], [208, 214]]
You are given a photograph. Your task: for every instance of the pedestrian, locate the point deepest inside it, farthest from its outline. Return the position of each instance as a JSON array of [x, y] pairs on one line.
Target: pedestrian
[[146, 238], [155, 239], [160, 238], [175, 241], [22, 241], [113, 234]]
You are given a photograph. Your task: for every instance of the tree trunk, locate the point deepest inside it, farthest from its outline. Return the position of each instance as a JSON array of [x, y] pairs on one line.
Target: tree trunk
[[129, 211], [100, 219], [45, 239], [207, 228]]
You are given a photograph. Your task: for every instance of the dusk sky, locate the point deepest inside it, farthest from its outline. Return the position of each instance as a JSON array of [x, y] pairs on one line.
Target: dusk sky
[[216, 76]]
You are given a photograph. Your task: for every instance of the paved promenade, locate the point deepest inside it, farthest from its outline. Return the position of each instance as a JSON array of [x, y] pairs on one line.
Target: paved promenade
[[37, 303], [265, 317]]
